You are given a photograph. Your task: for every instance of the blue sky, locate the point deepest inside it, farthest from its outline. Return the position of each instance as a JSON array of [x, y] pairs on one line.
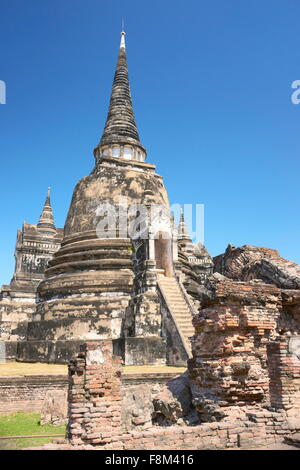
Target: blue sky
[[211, 86]]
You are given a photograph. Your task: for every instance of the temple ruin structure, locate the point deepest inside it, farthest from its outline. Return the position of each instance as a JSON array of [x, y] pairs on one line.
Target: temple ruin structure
[[122, 284], [123, 270]]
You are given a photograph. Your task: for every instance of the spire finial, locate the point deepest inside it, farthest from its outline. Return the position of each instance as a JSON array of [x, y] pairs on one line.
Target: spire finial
[[122, 43], [47, 202]]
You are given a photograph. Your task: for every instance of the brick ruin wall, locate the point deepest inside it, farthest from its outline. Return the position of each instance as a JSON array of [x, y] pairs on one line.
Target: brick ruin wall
[[246, 350], [243, 379], [284, 373], [27, 393], [96, 414]]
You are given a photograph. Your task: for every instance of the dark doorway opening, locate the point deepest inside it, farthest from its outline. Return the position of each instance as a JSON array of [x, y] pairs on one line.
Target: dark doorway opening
[[163, 253]]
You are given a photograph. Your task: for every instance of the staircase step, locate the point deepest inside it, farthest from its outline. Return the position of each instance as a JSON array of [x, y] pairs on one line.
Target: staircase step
[[185, 326], [175, 297], [179, 309], [171, 289], [178, 306], [184, 322], [170, 286], [169, 293], [184, 317], [176, 300]]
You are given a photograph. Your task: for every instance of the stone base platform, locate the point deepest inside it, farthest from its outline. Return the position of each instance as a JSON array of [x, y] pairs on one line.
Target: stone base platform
[[149, 350]]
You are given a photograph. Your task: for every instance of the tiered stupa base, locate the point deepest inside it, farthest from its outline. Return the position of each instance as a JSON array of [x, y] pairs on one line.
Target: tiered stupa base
[[92, 302]]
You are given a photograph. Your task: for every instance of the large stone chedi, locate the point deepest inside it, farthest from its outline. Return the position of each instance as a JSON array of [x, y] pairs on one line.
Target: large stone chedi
[[103, 281]]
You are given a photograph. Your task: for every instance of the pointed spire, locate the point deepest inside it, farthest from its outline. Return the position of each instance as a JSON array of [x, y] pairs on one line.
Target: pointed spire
[[48, 197], [46, 220], [120, 127], [122, 43]]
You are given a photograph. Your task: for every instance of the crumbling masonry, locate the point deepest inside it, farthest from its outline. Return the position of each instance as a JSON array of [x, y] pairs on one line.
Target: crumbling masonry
[[242, 388]]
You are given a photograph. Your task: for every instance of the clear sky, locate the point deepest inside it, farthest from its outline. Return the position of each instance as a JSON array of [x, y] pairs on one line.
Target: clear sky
[[211, 86]]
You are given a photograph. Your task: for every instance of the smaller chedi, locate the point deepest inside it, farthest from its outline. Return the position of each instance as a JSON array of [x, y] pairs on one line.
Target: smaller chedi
[[35, 246]]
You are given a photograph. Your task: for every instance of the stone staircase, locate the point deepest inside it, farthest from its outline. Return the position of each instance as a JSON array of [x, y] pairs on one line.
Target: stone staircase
[[178, 309]]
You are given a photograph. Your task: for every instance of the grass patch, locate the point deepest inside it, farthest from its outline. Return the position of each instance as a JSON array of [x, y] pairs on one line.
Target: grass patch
[[22, 423]]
